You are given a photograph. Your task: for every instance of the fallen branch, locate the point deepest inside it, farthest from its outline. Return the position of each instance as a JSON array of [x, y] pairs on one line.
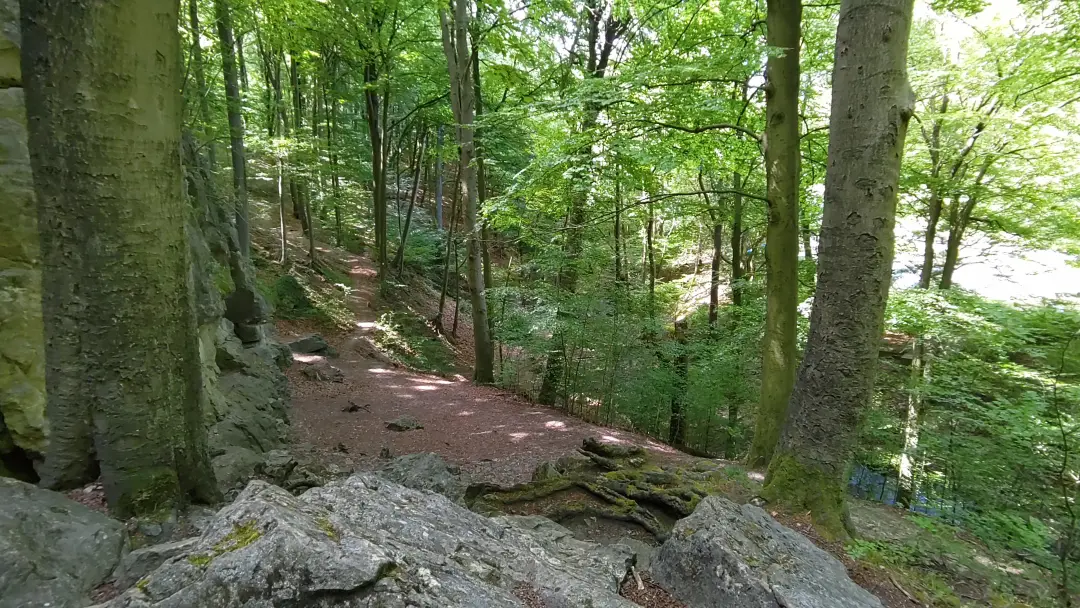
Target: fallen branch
[[911, 598], [637, 579]]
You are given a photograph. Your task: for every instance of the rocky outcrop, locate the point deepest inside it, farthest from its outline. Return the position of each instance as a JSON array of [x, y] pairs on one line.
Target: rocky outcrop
[[245, 392], [365, 542], [53, 551], [729, 555], [23, 431]]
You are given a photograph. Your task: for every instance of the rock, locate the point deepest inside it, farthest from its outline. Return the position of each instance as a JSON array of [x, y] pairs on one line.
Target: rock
[[545, 471], [137, 564], [404, 423], [10, 43], [53, 551], [234, 466], [730, 555], [323, 372], [429, 472], [309, 345], [22, 341], [368, 542]]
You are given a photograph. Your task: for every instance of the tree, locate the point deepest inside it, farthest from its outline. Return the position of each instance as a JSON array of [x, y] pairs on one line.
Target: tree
[[782, 238], [872, 103], [236, 123], [123, 371], [462, 99]]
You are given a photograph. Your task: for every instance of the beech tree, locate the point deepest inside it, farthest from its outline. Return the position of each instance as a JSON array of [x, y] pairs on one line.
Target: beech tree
[[123, 374], [871, 105]]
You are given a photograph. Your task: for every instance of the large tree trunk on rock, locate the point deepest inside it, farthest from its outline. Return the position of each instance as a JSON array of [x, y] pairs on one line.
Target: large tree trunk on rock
[[871, 105], [122, 365]]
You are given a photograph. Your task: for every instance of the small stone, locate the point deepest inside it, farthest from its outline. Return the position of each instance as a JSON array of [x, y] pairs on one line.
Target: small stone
[[385, 453], [322, 371], [404, 423]]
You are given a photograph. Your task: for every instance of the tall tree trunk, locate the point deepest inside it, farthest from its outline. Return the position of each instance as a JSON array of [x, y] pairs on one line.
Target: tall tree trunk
[[199, 68], [871, 105], [439, 180], [450, 245], [782, 232], [677, 423], [378, 161], [620, 276], [399, 256], [332, 134], [736, 242], [298, 187], [714, 273], [244, 86], [907, 479], [462, 96], [105, 151], [236, 124]]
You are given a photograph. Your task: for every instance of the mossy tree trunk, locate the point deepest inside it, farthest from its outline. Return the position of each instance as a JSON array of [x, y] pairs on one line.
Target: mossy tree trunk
[[871, 105], [782, 232], [122, 363]]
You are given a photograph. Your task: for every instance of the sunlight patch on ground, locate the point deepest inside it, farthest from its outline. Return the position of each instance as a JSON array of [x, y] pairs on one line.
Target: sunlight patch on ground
[[366, 324], [482, 433], [516, 437], [381, 370], [555, 424], [425, 387], [755, 476], [659, 447], [611, 439], [307, 358], [466, 413], [430, 381]]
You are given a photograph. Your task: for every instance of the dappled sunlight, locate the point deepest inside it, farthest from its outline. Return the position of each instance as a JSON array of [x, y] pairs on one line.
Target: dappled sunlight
[[425, 387], [466, 413], [381, 370], [430, 381], [611, 439], [365, 324], [307, 358], [760, 477], [557, 425], [516, 437]]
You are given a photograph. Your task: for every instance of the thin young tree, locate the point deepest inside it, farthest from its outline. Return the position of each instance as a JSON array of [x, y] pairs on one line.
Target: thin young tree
[[236, 123], [871, 105], [123, 376], [455, 34], [782, 155]]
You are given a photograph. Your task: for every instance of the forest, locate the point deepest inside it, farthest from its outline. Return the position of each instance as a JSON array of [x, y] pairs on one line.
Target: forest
[[836, 242]]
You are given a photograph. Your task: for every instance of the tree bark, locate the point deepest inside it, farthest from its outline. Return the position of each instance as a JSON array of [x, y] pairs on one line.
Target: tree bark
[[871, 105], [714, 273], [677, 423], [782, 232], [122, 363], [439, 180], [457, 49], [399, 257], [199, 69], [244, 86], [736, 243], [236, 124]]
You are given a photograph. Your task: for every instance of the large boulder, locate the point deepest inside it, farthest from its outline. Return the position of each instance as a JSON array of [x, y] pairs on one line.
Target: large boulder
[[736, 556], [53, 551], [368, 542], [427, 471], [23, 431]]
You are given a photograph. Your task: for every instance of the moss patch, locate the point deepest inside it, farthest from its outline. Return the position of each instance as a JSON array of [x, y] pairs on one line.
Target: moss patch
[[241, 536], [799, 487], [328, 528]]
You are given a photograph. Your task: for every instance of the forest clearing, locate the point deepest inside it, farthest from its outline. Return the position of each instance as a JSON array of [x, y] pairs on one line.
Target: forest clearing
[[554, 303]]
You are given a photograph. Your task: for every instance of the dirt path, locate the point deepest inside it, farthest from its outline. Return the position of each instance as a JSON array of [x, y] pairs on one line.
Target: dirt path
[[494, 435]]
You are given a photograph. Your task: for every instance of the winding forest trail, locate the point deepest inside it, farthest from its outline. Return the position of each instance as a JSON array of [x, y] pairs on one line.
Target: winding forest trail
[[495, 436]]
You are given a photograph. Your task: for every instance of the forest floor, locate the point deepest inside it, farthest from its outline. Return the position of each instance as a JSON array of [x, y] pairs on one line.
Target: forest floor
[[393, 363]]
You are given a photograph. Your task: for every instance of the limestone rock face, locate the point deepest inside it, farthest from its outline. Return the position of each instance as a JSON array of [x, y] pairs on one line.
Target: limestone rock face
[[368, 542], [53, 551], [736, 556], [22, 359]]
